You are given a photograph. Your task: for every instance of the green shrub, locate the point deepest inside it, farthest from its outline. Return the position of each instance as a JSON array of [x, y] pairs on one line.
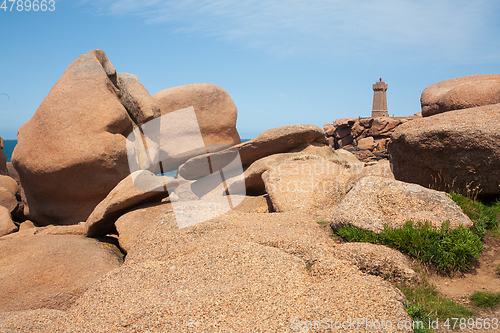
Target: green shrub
[[484, 216], [448, 249], [485, 299]]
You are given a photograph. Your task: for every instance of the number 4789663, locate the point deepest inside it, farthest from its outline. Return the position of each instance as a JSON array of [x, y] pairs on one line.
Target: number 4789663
[[27, 5]]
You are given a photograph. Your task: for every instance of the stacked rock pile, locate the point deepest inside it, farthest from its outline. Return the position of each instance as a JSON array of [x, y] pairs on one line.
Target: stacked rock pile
[[367, 138]]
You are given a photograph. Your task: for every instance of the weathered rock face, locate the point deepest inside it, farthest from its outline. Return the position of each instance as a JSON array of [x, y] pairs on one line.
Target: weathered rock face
[[7, 226], [72, 152], [8, 190], [50, 271], [12, 172], [27, 228], [214, 108], [246, 266], [140, 105], [454, 150], [273, 141], [9, 183], [381, 168], [7, 199], [309, 185], [131, 224], [377, 260], [329, 129], [3, 163], [460, 93], [377, 201], [249, 265], [138, 188]]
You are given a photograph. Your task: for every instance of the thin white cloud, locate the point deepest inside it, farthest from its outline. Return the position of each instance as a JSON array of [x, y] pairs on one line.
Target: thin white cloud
[[437, 28]]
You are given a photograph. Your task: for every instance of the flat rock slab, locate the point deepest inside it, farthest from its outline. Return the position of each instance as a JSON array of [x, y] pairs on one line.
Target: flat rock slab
[[377, 201], [51, 271], [161, 238], [378, 260], [139, 187], [27, 228], [273, 141], [254, 185]]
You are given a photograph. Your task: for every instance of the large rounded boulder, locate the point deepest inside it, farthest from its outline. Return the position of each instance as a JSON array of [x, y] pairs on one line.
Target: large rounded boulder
[[72, 152], [214, 109], [457, 150], [460, 93]]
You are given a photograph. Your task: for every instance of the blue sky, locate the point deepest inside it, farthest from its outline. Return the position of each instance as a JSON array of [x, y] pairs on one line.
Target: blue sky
[[283, 62]]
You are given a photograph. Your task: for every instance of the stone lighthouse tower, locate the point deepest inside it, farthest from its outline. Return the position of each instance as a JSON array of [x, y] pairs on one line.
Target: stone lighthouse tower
[[379, 100]]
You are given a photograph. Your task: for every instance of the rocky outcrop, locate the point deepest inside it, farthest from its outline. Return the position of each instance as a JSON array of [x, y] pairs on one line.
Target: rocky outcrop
[[51, 271], [246, 266], [375, 202], [273, 141], [457, 150], [378, 260], [460, 93], [72, 152], [309, 185], [138, 188], [366, 138]]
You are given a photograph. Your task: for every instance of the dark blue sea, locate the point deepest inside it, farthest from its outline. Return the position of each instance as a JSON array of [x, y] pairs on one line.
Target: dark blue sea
[[8, 148]]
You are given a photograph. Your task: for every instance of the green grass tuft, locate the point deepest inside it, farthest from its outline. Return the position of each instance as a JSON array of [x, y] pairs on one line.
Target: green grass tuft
[[484, 216], [425, 303], [418, 313], [495, 233], [485, 300], [448, 249]]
